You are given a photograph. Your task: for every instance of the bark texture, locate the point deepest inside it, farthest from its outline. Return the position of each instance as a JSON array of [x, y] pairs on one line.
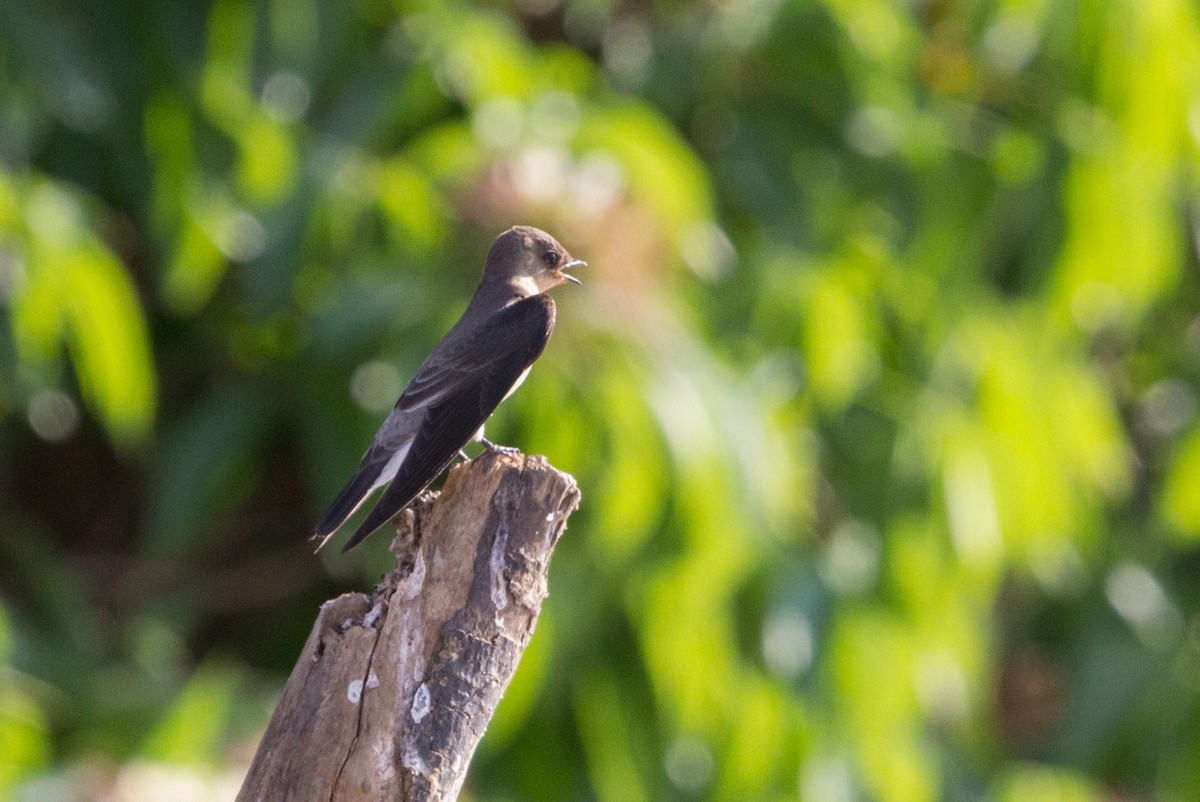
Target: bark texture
[[392, 692]]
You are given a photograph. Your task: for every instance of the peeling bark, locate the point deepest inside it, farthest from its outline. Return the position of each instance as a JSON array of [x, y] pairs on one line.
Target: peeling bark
[[392, 692]]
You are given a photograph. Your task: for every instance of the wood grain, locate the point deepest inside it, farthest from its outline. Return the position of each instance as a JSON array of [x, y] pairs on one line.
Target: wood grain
[[392, 692]]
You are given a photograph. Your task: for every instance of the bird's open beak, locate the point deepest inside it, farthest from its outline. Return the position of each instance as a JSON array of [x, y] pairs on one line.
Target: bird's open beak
[[568, 266]]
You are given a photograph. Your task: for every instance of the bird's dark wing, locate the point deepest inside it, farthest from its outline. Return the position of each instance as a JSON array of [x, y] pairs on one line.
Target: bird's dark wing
[[478, 373], [454, 361]]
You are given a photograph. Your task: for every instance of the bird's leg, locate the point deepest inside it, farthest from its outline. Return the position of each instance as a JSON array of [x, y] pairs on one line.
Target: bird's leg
[[462, 455], [506, 450]]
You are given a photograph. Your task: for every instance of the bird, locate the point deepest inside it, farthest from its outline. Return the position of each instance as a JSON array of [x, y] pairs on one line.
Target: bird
[[484, 357]]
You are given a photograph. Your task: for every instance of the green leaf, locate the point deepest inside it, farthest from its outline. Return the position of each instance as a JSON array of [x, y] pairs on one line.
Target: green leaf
[[76, 291], [1046, 784], [204, 460], [192, 731], [661, 170], [600, 706], [267, 170], [1181, 493], [110, 342]]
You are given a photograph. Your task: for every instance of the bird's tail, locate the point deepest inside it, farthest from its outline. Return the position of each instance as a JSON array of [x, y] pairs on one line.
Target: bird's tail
[[350, 499]]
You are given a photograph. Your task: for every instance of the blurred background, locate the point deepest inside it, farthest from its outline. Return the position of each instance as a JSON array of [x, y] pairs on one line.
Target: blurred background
[[881, 389]]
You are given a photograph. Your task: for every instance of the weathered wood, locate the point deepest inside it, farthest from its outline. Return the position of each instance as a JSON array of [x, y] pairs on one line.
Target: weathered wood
[[392, 693]]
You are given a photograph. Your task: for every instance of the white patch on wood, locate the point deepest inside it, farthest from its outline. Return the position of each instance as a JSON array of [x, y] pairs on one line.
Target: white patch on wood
[[384, 767], [421, 703], [373, 614], [413, 761], [496, 564], [354, 691], [411, 586], [372, 680], [411, 657], [410, 647]]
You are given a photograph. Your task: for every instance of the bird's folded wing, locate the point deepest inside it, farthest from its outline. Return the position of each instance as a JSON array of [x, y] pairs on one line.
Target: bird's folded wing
[[467, 385]]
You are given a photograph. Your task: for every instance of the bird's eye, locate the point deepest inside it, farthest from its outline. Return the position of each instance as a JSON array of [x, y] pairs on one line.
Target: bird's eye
[[550, 258]]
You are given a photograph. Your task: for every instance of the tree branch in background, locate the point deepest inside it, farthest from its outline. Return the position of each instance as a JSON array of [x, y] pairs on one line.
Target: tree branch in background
[[392, 692]]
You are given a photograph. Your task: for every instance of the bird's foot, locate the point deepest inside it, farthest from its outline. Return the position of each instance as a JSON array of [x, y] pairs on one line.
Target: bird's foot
[[507, 451], [464, 456]]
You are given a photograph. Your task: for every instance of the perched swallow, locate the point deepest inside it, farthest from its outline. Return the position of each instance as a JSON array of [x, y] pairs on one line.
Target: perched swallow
[[480, 361]]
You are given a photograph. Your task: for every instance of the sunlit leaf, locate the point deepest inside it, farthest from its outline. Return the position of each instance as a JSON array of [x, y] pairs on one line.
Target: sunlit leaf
[[24, 733], [268, 164], [109, 341], [412, 206], [191, 731], [1046, 783], [76, 292], [195, 269], [24, 736], [661, 170], [1181, 496], [839, 344], [765, 739], [599, 710], [224, 86], [632, 480], [1121, 251], [169, 142], [872, 661]]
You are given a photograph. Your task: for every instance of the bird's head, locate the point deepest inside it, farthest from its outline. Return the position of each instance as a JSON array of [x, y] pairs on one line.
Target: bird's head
[[530, 260]]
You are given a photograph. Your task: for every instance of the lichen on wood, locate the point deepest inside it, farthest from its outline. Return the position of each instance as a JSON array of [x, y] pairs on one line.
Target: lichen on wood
[[393, 691]]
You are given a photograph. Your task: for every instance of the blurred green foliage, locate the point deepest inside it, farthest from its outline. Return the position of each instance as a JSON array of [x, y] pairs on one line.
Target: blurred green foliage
[[882, 388]]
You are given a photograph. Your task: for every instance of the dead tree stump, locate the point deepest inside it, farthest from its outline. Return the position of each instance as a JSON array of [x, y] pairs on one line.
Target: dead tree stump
[[392, 692]]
